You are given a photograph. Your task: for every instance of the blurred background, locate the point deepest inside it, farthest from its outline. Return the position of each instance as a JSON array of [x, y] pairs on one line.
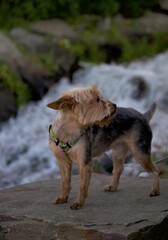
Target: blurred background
[[47, 47]]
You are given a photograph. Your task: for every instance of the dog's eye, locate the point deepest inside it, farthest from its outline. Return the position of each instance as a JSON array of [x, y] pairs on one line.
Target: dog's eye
[[97, 99]]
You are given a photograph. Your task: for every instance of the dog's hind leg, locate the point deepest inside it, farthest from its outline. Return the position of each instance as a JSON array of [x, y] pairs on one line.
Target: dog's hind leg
[[145, 161], [119, 153]]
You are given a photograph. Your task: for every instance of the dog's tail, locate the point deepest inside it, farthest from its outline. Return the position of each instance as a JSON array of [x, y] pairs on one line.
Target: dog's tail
[[149, 113]]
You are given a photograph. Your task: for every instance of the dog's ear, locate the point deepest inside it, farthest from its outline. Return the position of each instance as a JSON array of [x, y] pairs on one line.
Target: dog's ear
[[63, 103]]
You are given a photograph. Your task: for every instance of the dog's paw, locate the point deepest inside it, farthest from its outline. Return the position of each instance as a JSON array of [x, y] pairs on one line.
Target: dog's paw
[[60, 200], [110, 188], [76, 206], [154, 193]]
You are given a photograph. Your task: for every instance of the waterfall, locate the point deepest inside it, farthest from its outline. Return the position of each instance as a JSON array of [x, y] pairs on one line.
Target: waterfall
[[24, 152]]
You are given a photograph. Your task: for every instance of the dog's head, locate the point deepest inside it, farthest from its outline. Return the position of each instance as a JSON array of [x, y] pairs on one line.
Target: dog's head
[[87, 104]]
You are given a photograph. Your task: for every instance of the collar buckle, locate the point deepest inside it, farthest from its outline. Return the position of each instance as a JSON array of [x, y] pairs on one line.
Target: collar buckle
[[65, 146]]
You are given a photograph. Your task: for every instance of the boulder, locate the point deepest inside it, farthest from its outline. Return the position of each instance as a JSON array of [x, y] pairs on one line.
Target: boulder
[[8, 51], [34, 74], [40, 45], [152, 22], [31, 40], [54, 27], [143, 27], [26, 212]]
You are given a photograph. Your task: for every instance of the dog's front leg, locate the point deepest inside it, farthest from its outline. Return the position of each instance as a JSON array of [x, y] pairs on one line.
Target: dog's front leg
[[65, 169], [85, 175]]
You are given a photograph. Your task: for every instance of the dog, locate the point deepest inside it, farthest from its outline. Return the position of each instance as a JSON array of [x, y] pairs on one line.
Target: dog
[[87, 125]]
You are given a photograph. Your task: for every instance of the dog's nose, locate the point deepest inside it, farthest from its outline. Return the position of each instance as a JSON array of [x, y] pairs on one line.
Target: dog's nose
[[114, 105]]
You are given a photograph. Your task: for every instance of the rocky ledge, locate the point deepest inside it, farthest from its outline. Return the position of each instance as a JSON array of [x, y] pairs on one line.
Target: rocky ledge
[[26, 212]]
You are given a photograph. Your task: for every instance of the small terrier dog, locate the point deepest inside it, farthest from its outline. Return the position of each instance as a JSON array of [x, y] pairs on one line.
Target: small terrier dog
[[86, 126]]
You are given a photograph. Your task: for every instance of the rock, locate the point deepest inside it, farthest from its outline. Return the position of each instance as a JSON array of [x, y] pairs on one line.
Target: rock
[[54, 27], [113, 51], [65, 61], [152, 22], [106, 162], [104, 24], [164, 100], [8, 51], [32, 41], [139, 87], [34, 74], [137, 35], [7, 104], [143, 27], [26, 212], [164, 4]]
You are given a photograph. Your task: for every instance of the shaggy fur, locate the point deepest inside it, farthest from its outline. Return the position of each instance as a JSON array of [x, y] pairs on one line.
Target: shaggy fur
[[102, 126]]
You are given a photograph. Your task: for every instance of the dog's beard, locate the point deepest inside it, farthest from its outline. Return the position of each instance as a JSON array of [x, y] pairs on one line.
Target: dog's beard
[[106, 120]]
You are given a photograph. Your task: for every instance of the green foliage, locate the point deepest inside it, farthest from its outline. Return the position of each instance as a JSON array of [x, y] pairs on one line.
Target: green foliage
[[132, 48], [143, 48], [135, 9], [85, 49], [138, 47], [101, 7], [66, 9], [14, 84], [48, 62], [19, 12]]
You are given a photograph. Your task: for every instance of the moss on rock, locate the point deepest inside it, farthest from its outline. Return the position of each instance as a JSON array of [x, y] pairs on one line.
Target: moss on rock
[[14, 83]]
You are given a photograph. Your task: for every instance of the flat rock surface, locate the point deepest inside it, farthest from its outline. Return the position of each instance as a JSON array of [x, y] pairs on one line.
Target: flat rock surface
[[26, 211]]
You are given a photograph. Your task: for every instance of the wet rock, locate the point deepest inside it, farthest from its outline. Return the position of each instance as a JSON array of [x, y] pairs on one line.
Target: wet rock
[[163, 101], [7, 104], [37, 78], [106, 162], [66, 61], [139, 87], [26, 212], [113, 51]]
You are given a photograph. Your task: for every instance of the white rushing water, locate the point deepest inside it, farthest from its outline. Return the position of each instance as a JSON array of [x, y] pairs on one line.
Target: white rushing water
[[24, 151]]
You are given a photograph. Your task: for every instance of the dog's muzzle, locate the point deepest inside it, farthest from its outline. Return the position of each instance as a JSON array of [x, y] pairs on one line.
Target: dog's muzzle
[[113, 108]]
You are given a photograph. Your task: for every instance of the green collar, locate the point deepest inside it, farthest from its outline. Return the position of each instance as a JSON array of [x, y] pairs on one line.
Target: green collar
[[65, 146]]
